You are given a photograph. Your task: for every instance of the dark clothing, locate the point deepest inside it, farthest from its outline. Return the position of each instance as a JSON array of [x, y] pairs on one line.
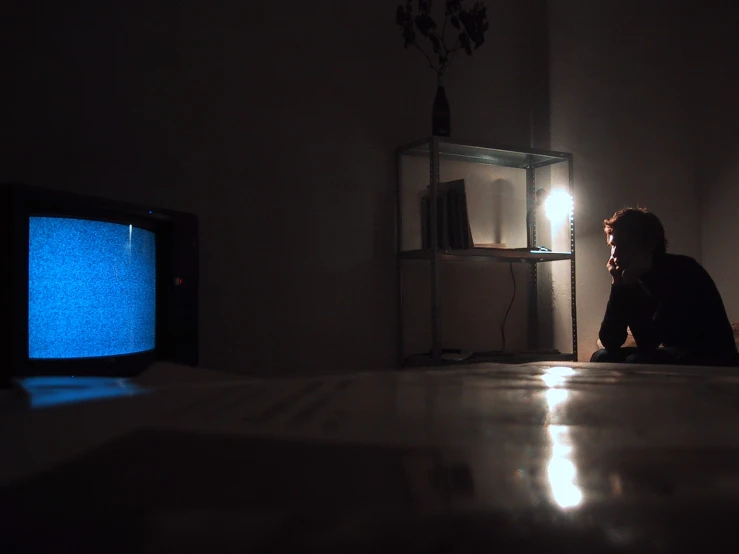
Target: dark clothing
[[665, 356], [676, 305]]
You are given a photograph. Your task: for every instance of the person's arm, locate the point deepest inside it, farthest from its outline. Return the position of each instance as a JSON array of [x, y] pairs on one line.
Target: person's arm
[[644, 325], [616, 319]]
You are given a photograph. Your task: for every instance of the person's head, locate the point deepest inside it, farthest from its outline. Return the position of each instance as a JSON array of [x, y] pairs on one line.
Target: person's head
[[634, 233]]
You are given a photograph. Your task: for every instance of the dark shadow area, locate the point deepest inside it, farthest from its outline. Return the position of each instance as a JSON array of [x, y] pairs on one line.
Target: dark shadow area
[[501, 191], [159, 490]]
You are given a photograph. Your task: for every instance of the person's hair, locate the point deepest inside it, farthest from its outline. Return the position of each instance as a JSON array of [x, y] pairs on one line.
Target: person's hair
[[639, 225]]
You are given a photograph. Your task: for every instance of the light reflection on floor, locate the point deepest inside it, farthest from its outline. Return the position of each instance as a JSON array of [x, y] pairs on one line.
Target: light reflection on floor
[[45, 392], [561, 472], [561, 469]]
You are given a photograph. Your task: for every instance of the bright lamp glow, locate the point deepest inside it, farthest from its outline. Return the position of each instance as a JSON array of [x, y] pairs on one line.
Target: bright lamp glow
[[558, 205]]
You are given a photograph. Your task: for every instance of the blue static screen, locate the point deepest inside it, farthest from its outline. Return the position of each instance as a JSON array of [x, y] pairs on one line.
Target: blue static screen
[[91, 289]]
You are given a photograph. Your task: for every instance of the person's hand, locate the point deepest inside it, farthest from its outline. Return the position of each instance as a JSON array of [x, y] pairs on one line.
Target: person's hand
[[616, 274], [629, 275]]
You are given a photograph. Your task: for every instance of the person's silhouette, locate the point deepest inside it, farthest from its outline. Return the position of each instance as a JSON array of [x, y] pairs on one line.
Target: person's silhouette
[[669, 301]]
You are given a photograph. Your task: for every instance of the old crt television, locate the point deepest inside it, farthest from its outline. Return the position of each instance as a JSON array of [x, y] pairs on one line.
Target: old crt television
[[94, 287]]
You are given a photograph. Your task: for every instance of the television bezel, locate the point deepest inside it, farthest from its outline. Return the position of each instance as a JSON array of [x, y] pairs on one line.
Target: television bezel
[[26, 202]]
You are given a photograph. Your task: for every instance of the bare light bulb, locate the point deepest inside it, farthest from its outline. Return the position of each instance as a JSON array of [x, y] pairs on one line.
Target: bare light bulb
[[558, 205]]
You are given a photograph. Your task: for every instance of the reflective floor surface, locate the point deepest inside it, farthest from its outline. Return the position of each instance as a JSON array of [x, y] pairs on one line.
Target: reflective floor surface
[[539, 458]]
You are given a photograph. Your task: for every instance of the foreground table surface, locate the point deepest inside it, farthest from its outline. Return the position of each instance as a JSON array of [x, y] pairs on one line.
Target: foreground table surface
[[538, 457]]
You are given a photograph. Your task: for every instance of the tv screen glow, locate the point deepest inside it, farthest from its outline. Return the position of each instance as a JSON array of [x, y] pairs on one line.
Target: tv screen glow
[[91, 289]]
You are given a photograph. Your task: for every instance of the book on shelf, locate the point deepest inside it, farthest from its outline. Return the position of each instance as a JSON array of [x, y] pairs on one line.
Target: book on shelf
[[453, 222]]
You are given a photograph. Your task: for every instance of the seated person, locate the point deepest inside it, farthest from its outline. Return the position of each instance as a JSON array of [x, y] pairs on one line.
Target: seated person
[[669, 302]]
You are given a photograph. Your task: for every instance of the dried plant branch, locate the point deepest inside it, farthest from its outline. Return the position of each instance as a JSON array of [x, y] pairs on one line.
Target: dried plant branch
[[471, 25]]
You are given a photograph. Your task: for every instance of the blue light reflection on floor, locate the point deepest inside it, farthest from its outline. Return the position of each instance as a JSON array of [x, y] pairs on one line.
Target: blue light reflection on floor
[[45, 392]]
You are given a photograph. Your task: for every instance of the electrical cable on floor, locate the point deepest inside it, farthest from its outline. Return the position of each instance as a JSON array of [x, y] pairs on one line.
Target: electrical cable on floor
[[502, 326]]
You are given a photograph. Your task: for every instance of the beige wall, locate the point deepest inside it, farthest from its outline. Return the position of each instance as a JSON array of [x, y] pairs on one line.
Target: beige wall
[[276, 123], [619, 102], [715, 77]]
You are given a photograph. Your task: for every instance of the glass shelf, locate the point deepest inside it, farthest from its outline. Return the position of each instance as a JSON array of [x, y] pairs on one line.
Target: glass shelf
[[425, 360], [484, 197], [485, 154], [489, 255]]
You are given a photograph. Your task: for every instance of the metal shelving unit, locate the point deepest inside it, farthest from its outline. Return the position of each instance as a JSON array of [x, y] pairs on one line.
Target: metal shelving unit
[[439, 150]]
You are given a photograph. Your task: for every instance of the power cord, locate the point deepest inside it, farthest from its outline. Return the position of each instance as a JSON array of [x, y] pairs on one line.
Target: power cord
[[502, 326]]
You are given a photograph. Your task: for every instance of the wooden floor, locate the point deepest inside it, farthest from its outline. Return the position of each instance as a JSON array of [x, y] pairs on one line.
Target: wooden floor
[[536, 457]]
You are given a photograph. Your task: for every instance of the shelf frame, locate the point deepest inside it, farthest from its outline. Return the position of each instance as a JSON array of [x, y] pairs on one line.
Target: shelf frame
[[488, 255], [443, 148]]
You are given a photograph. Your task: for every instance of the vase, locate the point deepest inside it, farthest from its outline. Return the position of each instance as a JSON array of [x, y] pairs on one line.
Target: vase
[[441, 116]]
